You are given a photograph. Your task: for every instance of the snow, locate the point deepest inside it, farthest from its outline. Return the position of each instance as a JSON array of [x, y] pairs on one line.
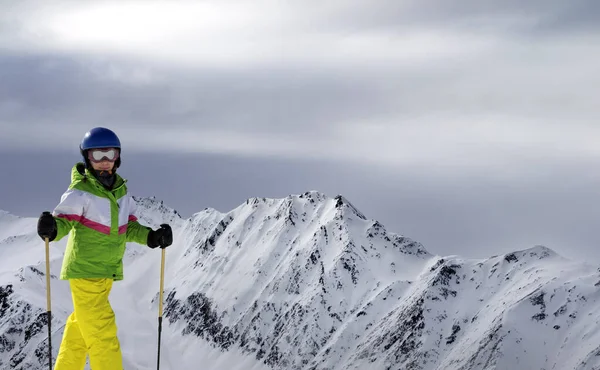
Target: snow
[[308, 282]]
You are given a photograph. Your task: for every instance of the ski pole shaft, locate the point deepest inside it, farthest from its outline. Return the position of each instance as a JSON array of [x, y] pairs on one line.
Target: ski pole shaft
[[160, 304], [162, 283], [48, 303]]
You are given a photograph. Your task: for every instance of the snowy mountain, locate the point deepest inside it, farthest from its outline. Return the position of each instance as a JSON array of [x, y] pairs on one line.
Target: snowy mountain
[[308, 282]]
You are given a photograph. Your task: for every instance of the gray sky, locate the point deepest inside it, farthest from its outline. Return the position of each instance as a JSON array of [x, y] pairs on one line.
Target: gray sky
[[471, 126]]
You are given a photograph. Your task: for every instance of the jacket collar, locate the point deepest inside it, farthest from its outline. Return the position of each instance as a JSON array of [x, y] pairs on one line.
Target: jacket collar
[[80, 173]]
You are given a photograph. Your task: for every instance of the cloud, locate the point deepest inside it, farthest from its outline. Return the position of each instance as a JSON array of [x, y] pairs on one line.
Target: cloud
[[225, 34], [237, 34], [402, 83]]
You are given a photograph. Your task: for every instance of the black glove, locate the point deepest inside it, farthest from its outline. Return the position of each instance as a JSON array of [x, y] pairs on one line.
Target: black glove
[[46, 226], [162, 237]]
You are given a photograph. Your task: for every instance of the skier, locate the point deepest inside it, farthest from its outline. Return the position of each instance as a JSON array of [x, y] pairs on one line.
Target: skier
[[100, 216]]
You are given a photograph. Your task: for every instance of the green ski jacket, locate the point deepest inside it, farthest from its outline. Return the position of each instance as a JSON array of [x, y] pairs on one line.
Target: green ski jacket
[[100, 221]]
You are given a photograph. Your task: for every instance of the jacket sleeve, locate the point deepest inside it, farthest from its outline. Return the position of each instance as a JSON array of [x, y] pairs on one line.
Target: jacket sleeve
[[135, 231], [68, 212]]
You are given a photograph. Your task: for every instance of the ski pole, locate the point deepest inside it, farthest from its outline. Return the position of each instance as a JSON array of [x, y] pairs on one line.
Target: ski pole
[[160, 304], [48, 303]]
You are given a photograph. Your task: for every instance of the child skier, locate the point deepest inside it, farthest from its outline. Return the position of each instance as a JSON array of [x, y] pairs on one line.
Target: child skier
[[100, 215]]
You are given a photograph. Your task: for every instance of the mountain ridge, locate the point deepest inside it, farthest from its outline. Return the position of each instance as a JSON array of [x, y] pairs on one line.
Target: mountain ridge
[[309, 282]]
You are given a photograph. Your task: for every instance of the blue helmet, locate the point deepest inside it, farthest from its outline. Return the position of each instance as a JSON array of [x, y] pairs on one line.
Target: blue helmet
[[99, 137]]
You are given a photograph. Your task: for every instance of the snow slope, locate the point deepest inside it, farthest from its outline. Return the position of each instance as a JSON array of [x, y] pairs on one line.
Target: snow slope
[[308, 282]]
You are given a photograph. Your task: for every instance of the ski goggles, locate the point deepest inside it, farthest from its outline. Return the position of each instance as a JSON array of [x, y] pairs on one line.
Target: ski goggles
[[105, 154]]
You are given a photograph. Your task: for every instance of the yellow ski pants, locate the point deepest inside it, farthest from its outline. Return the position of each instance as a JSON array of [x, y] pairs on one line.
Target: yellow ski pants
[[90, 329]]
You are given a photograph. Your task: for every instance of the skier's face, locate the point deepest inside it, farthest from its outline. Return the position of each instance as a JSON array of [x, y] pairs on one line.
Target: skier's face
[[103, 159], [103, 166]]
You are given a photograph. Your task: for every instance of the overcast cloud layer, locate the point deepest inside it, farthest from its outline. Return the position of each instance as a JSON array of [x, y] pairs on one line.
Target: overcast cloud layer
[[431, 108]]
